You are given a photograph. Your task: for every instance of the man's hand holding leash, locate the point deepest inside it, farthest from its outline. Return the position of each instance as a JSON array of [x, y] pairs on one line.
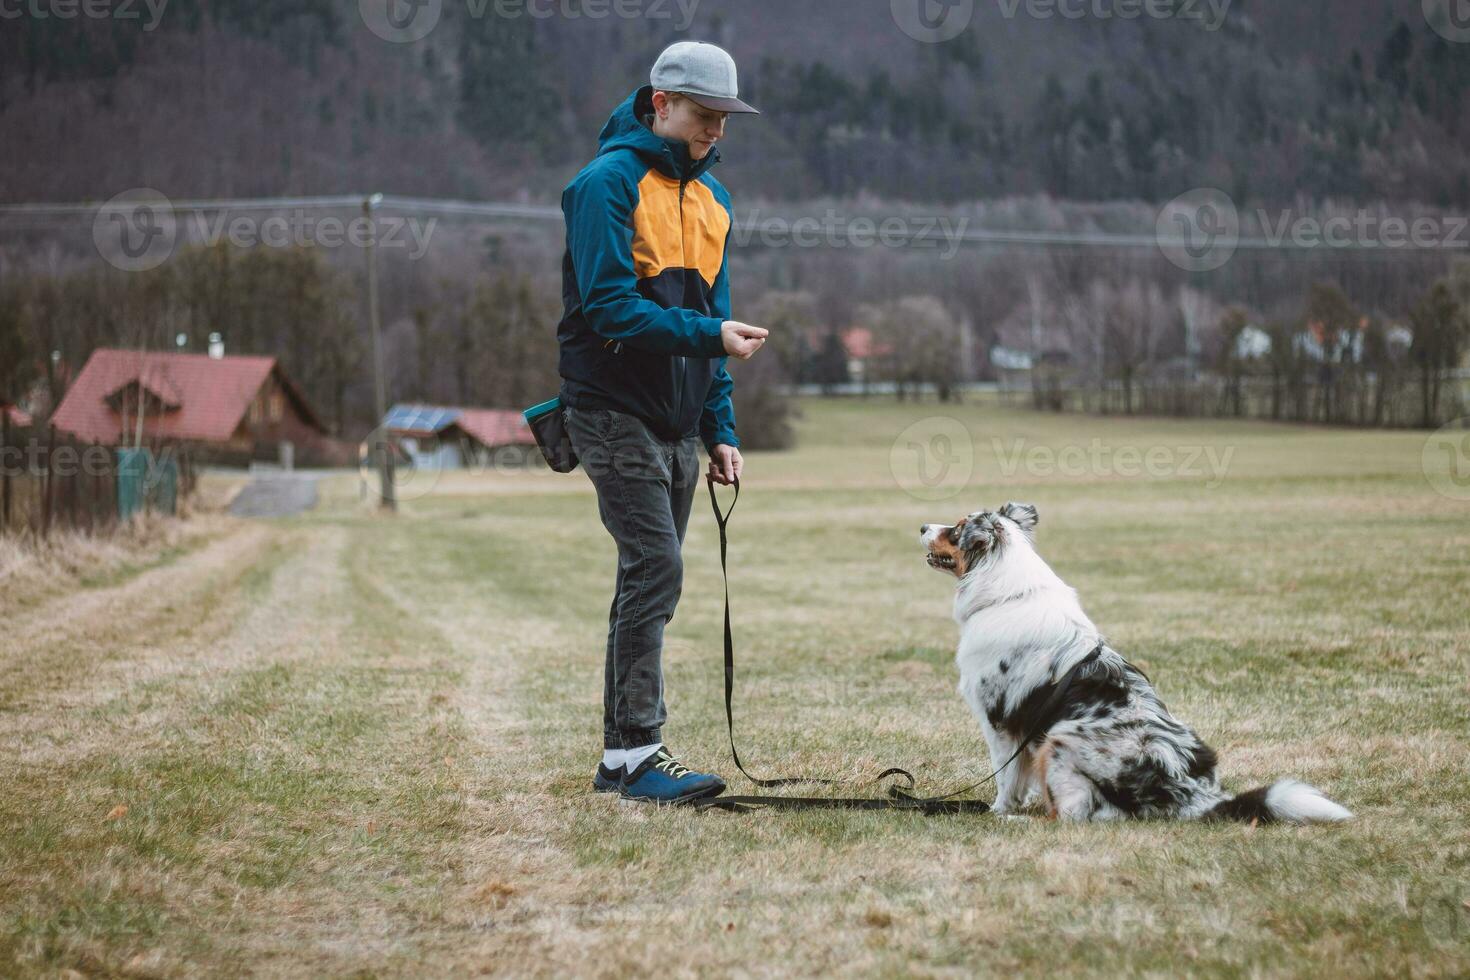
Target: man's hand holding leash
[[725, 465]]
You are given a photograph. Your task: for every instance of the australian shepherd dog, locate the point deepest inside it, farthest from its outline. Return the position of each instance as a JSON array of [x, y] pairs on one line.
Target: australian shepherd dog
[[1109, 748]]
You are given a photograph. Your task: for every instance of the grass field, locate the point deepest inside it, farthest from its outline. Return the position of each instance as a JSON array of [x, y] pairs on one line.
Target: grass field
[[347, 745]]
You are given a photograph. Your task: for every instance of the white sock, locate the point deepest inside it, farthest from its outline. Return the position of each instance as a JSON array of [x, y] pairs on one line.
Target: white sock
[[614, 758], [633, 758]]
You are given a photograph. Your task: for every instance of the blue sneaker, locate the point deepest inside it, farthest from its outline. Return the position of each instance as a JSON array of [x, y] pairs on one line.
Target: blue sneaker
[[608, 780], [661, 779]]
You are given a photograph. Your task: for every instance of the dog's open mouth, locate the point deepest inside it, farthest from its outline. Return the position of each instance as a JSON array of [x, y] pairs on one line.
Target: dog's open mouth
[[940, 561]]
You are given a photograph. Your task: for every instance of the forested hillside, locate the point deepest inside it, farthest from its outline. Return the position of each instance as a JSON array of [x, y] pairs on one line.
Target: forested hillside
[[1355, 100]]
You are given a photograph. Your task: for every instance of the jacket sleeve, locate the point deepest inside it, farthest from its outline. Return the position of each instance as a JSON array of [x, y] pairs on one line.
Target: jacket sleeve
[[598, 207], [717, 423]]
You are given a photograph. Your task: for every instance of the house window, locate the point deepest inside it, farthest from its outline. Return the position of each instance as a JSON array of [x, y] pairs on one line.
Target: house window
[[277, 406]]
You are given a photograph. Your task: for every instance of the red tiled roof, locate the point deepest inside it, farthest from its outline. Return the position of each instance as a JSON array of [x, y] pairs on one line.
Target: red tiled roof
[[496, 427], [212, 394], [861, 345]]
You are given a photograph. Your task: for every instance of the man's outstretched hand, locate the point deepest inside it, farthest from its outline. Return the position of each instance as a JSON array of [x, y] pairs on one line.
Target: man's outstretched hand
[[742, 340], [725, 464]]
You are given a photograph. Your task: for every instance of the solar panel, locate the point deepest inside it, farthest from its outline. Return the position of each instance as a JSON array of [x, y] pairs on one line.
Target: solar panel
[[420, 418]]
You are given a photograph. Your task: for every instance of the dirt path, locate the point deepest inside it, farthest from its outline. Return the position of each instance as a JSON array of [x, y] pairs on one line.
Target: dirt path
[[276, 495]]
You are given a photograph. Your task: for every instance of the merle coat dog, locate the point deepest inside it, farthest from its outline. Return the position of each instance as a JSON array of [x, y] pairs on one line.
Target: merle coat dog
[[1110, 749]]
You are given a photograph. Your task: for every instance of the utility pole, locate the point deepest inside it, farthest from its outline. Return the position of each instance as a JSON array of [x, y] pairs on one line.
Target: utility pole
[[385, 451]]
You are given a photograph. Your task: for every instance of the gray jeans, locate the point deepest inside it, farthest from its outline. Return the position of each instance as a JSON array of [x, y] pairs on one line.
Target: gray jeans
[[645, 488]]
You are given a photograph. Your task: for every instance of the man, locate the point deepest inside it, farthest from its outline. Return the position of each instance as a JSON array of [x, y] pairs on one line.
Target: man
[[644, 344]]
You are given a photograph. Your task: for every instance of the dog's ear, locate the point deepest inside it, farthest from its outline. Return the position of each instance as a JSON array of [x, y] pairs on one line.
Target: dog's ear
[[977, 534], [1024, 516]]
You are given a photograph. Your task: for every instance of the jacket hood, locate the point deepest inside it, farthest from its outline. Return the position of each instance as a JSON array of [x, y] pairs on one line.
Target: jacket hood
[[625, 131]]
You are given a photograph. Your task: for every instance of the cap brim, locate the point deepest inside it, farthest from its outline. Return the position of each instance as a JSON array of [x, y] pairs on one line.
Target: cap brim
[[720, 105]]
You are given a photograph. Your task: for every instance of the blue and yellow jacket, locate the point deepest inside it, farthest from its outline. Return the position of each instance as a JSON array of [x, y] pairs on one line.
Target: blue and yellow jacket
[[645, 283]]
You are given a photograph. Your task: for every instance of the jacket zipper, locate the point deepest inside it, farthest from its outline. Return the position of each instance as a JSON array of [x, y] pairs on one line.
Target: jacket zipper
[[684, 264]]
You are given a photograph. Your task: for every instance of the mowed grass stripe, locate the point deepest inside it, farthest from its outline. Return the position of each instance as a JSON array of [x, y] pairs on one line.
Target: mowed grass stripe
[[322, 784]]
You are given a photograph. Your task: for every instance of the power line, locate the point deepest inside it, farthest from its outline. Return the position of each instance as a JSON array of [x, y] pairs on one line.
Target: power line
[[749, 231]]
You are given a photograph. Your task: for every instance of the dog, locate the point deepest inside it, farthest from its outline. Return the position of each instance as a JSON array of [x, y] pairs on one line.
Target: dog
[[1110, 749]]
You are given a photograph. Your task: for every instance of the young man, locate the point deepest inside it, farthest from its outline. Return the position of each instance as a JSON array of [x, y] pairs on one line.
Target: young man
[[644, 344]]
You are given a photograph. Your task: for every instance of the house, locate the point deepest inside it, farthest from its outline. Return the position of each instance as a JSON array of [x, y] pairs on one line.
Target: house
[[434, 437], [233, 409], [1252, 344], [1012, 368], [864, 352]]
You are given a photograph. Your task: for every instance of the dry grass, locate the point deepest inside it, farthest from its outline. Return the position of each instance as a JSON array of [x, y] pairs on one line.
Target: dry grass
[[347, 745], [34, 568]]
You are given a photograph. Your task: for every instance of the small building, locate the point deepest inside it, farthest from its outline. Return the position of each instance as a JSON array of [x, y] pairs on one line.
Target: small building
[[235, 409], [434, 437], [1011, 366], [864, 353]]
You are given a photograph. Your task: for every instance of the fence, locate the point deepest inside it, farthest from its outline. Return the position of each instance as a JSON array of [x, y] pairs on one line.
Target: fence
[[1358, 401], [51, 481]]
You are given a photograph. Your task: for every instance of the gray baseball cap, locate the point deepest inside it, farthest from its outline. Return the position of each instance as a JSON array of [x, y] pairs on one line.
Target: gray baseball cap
[[703, 72]]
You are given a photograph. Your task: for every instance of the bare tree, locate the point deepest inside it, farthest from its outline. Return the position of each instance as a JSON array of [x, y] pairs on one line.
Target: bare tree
[[1439, 328]]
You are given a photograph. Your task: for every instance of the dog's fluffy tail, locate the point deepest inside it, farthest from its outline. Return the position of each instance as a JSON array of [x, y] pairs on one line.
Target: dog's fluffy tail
[[1287, 800]]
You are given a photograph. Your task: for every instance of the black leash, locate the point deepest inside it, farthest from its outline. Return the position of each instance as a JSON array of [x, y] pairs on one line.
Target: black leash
[[898, 798]]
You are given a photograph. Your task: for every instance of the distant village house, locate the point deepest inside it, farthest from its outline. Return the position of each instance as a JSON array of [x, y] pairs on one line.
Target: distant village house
[[231, 409]]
